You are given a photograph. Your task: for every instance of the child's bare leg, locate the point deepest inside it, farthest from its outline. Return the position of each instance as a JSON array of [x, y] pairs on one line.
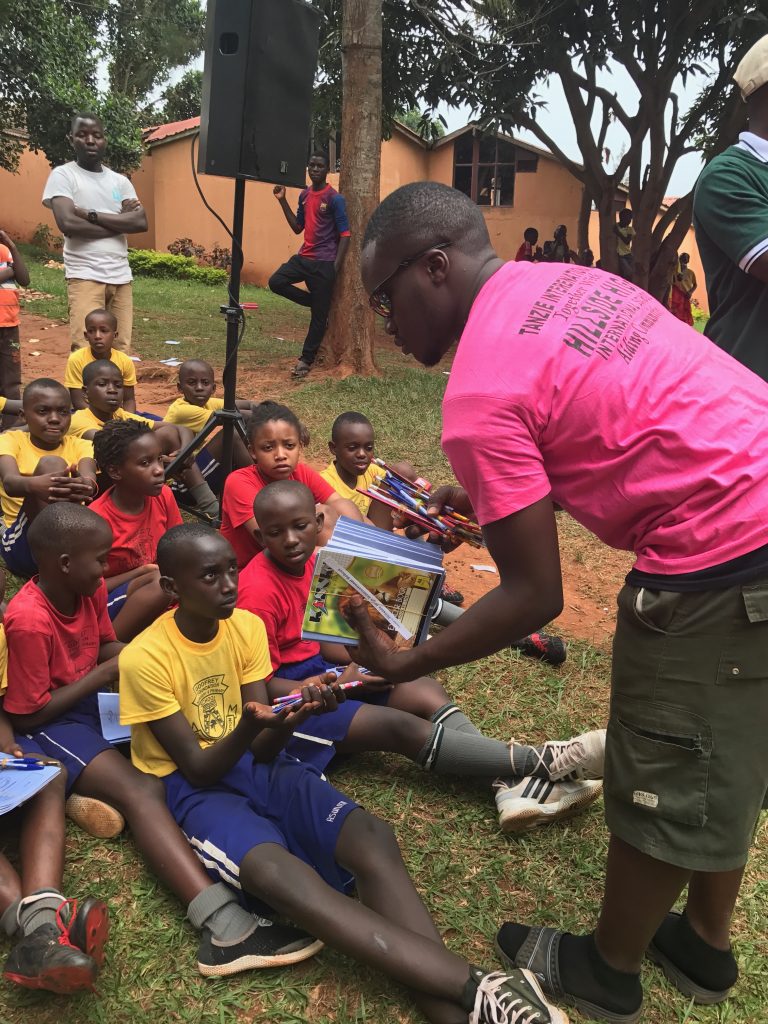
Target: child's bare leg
[[407, 950], [639, 891], [41, 842], [10, 885], [145, 602], [422, 697], [711, 901], [48, 464]]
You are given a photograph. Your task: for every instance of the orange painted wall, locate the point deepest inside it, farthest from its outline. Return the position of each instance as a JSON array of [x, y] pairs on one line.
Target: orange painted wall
[[21, 207], [402, 161]]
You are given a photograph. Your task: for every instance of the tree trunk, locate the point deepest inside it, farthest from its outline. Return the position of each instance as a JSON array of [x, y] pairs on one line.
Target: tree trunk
[[665, 256], [349, 341], [582, 229], [609, 259]]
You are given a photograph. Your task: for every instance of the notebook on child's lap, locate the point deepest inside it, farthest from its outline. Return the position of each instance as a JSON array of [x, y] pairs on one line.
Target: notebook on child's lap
[[400, 580]]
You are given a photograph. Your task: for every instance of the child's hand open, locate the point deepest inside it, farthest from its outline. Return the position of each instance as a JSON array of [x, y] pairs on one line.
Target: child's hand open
[[376, 650]]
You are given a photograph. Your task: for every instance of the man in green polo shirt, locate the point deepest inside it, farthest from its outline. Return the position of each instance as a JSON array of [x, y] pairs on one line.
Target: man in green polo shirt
[[730, 214]]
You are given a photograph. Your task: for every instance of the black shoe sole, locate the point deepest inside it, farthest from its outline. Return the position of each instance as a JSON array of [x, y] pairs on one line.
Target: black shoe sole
[[681, 981]]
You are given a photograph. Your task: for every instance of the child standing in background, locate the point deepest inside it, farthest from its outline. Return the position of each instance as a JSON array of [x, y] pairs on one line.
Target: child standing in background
[[13, 272], [100, 333]]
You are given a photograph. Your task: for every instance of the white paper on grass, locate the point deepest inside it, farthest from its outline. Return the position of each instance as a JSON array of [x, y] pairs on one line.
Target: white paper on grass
[[16, 787], [109, 713]]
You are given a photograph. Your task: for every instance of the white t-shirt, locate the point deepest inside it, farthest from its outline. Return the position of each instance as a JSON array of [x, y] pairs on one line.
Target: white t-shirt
[[93, 259]]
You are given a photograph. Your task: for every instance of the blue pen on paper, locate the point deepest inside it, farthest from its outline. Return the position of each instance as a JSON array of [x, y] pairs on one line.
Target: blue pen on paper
[[296, 698], [26, 764]]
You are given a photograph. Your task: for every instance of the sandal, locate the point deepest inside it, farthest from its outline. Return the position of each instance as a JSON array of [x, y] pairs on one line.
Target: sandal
[[539, 954], [682, 982], [300, 370]]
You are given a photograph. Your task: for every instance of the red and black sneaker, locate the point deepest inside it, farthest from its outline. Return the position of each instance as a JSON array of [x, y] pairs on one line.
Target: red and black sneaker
[[87, 926], [452, 596], [47, 959], [544, 647]]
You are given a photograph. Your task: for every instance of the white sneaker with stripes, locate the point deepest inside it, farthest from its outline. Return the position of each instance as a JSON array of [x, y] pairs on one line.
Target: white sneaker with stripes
[[525, 803]]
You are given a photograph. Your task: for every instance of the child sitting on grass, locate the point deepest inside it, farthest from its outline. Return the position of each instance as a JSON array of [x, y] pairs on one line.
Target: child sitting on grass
[[59, 943], [41, 466], [103, 388], [100, 333], [192, 688], [275, 441], [139, 508], [61, 651], [420, 720]]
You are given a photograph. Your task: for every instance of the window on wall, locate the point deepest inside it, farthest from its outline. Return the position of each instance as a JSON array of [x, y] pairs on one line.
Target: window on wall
[[484, 168]]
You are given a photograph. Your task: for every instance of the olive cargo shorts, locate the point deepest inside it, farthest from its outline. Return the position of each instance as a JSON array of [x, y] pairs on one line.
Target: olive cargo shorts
[[686, 767]]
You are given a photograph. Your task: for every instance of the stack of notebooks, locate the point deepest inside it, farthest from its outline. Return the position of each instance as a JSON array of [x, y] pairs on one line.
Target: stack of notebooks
[[400, 580], [411, 499]]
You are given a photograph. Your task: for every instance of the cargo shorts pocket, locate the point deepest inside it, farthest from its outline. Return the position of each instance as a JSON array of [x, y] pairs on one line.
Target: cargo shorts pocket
[[744, 658], [657, 759]]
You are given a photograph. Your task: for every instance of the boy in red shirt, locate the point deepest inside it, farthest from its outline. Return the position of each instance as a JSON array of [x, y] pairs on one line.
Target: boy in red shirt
[[419, 720], [322, 216], [61, 651], [13, 272]]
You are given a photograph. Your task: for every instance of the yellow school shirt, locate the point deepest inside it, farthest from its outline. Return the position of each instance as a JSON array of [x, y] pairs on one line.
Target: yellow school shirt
[[20, 446], [161, 672], [331, 475], [85, 419], [3, 401], [193, 416], [625, 248], [77, 362]]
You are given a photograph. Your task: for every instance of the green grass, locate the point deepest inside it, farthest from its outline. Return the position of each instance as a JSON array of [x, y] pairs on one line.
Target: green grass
[[471, 876]]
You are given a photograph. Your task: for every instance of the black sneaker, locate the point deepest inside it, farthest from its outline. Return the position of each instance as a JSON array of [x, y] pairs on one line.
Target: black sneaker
[[87, 926], [452, 596], [506, 997], [543, 646], [47, 959], [268, 945]]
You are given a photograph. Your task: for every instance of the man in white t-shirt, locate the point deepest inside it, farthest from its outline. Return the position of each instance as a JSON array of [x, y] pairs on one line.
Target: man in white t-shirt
[[95, 209]]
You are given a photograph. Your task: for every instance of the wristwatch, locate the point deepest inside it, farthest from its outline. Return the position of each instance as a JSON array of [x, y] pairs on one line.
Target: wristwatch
[[93, 216]]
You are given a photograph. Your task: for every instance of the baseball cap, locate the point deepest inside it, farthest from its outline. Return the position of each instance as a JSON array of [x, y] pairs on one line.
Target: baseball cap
[[752, 72]]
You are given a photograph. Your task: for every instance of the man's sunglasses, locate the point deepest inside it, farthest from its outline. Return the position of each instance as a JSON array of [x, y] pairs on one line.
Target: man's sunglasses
[[380, 301]]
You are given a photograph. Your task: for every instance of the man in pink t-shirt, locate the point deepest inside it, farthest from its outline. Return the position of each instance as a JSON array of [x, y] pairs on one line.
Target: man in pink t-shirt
[[571, 387]]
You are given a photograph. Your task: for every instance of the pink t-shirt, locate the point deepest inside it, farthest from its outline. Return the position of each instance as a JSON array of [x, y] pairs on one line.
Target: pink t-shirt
[[647, 433]]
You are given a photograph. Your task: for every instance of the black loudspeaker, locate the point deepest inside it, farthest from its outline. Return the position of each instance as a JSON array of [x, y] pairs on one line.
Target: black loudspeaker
[[260, 62]]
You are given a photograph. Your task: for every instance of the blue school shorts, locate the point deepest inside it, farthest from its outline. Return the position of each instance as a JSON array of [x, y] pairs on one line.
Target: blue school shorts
[[75, 739], [116, 599], [284, 802], [28, 746], [15, 547]]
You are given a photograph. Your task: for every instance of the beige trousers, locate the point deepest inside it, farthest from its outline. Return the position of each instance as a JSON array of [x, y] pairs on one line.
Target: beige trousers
[[85, 296]]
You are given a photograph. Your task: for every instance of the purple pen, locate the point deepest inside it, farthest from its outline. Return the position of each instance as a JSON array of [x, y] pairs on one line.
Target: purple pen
[[296, 698]]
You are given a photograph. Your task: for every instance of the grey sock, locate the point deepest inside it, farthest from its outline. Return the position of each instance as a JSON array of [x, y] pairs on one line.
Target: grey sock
[[460, 753], [37, 909], [205, 499], [451, 717], [8, 920], [217, 909], [525, 761]]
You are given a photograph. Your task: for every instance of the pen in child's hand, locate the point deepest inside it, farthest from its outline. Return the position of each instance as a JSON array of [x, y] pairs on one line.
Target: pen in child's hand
[[26, 764], [296, 698]]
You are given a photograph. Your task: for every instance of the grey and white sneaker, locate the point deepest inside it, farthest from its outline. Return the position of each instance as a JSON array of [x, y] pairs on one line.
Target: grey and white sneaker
[[267, 945], [582, 757], [525, 803], [508, 998]]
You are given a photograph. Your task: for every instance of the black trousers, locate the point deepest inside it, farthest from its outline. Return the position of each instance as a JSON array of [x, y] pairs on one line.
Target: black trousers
[[319, 277]]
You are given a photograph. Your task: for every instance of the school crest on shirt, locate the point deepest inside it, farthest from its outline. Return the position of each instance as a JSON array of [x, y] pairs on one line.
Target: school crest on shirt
[[213, 720], [323, 206]]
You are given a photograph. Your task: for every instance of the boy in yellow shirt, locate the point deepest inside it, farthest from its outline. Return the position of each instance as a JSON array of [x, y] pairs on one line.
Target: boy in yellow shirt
[[39, 467], [192, 688], [100, 333]]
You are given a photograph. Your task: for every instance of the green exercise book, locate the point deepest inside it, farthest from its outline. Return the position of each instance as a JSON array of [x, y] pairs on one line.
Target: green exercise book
[[400, 580]]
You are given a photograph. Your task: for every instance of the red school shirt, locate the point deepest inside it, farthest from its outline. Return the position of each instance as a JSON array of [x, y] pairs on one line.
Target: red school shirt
[[279, 599], [48, 650], [240, 490], [136, 537]]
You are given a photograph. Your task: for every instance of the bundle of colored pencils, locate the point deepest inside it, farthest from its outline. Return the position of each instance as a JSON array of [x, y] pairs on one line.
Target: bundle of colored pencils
[[412, 498]]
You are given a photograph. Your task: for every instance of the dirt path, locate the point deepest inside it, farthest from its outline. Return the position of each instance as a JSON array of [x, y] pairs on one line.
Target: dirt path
[[592, 574]]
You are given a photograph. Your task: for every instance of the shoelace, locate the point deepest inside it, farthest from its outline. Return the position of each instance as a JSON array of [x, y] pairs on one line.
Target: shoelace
[[64, 938], [494, 1007], [566, 760]]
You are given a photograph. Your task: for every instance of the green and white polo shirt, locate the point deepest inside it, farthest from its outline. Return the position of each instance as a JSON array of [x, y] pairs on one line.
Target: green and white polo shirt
[[730, 216]]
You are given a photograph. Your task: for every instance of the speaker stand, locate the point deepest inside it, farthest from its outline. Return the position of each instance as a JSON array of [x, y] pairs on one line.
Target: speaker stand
[[228, 418]]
